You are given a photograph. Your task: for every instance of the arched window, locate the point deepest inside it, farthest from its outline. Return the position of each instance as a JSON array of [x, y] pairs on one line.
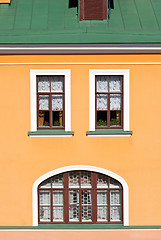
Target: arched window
[[80, 197]]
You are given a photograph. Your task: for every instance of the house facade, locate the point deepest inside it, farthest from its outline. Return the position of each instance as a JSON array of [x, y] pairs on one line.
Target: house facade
[[80, 155]]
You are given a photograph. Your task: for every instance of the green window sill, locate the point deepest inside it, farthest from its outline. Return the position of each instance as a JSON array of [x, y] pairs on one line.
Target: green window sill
[[51, 133], [109, 132]]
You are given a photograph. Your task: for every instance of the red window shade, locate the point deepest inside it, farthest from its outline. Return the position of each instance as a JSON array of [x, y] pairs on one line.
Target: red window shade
[[92, 9]]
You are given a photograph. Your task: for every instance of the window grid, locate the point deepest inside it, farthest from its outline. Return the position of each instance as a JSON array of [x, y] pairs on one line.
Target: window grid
[[108, 93], [112, 208], [50, 95]]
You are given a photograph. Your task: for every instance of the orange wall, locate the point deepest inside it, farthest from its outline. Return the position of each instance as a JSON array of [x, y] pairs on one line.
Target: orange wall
[[137, 159]]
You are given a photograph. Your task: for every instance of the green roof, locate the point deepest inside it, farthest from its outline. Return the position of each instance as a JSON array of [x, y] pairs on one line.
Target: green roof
[[52, 21]]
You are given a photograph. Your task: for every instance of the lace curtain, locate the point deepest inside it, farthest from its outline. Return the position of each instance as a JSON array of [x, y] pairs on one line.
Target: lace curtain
[[57, 84], [44, 84], [102, 83], [43, 102], [115, 83], [115, 102], [57, 102], [102, 103]]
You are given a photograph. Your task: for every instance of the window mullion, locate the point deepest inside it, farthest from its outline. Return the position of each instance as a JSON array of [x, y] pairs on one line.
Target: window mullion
[[66, 199], [94, 197], [80, 198]]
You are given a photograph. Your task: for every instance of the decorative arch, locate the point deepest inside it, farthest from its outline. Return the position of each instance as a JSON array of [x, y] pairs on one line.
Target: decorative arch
[[83, 168]]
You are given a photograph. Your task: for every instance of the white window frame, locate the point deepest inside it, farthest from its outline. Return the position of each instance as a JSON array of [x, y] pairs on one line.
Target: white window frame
[[33, 94], [92, 74]]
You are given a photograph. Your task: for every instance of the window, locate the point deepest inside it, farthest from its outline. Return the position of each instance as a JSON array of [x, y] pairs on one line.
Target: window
[[50, 102], [109, 101], [80, 197], [93, 9]]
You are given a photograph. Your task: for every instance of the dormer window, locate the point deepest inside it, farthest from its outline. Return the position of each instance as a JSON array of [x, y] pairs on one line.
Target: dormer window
[[94, 9]]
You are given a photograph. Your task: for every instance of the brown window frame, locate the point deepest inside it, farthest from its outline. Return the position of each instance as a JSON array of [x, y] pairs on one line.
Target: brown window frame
[[93, 189], [108, 110], [50, 103]]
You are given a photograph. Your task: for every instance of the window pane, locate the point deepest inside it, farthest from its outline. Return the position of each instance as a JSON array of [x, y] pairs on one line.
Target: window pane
[[43, 102], [74, 197], [74, 179], [57, 102], [102, 197], [115, 213], [86, 197], [44, 197], [115, 101], [45, 214], [102, 83], [102, 181], [102, 214], [46, 184], [115, 83], [73, 213], [102, 103], [102, 118], [115, 118], [58, 213], [57, 84], [115, 197], [57, 181], [44, 119], [86, 180], [86, 214], [57, 118], [58, 197], [114, 183], [43, 84]]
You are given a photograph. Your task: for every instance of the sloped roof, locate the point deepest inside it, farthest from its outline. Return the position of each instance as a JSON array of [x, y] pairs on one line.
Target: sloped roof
[[52, 21]]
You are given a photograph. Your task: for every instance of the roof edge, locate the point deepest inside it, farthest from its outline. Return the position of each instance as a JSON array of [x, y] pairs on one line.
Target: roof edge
[[79, 48]]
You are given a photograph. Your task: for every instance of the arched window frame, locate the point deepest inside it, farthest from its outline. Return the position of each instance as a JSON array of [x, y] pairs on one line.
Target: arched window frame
[[83, 168]]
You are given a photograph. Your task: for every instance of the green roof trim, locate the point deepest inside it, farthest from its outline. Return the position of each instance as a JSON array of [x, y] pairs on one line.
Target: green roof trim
[[50, 132], [53, 22], [109, 132]]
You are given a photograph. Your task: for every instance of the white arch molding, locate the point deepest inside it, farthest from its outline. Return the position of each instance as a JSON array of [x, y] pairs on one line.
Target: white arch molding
[[85, 168]]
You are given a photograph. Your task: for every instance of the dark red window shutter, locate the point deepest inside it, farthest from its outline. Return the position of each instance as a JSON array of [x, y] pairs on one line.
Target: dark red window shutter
[[92, 9]]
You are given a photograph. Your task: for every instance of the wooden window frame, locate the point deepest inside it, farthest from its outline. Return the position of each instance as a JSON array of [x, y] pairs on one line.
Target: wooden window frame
[[50, 103], [93, 189], [108, 97]]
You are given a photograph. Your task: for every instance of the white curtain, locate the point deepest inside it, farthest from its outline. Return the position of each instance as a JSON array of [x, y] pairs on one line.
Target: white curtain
[[102, 103], [43, 84], [57, 102], [102, 83], [57, 197], [115, 102], [57, 84], [43, 102], [44, 197], [115, 83]]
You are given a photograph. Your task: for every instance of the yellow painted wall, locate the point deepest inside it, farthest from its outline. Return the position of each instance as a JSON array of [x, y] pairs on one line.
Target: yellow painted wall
[[137, 159]]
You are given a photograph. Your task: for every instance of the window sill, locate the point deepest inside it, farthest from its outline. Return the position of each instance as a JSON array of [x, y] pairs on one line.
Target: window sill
[[51, 133], [109, 133]]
